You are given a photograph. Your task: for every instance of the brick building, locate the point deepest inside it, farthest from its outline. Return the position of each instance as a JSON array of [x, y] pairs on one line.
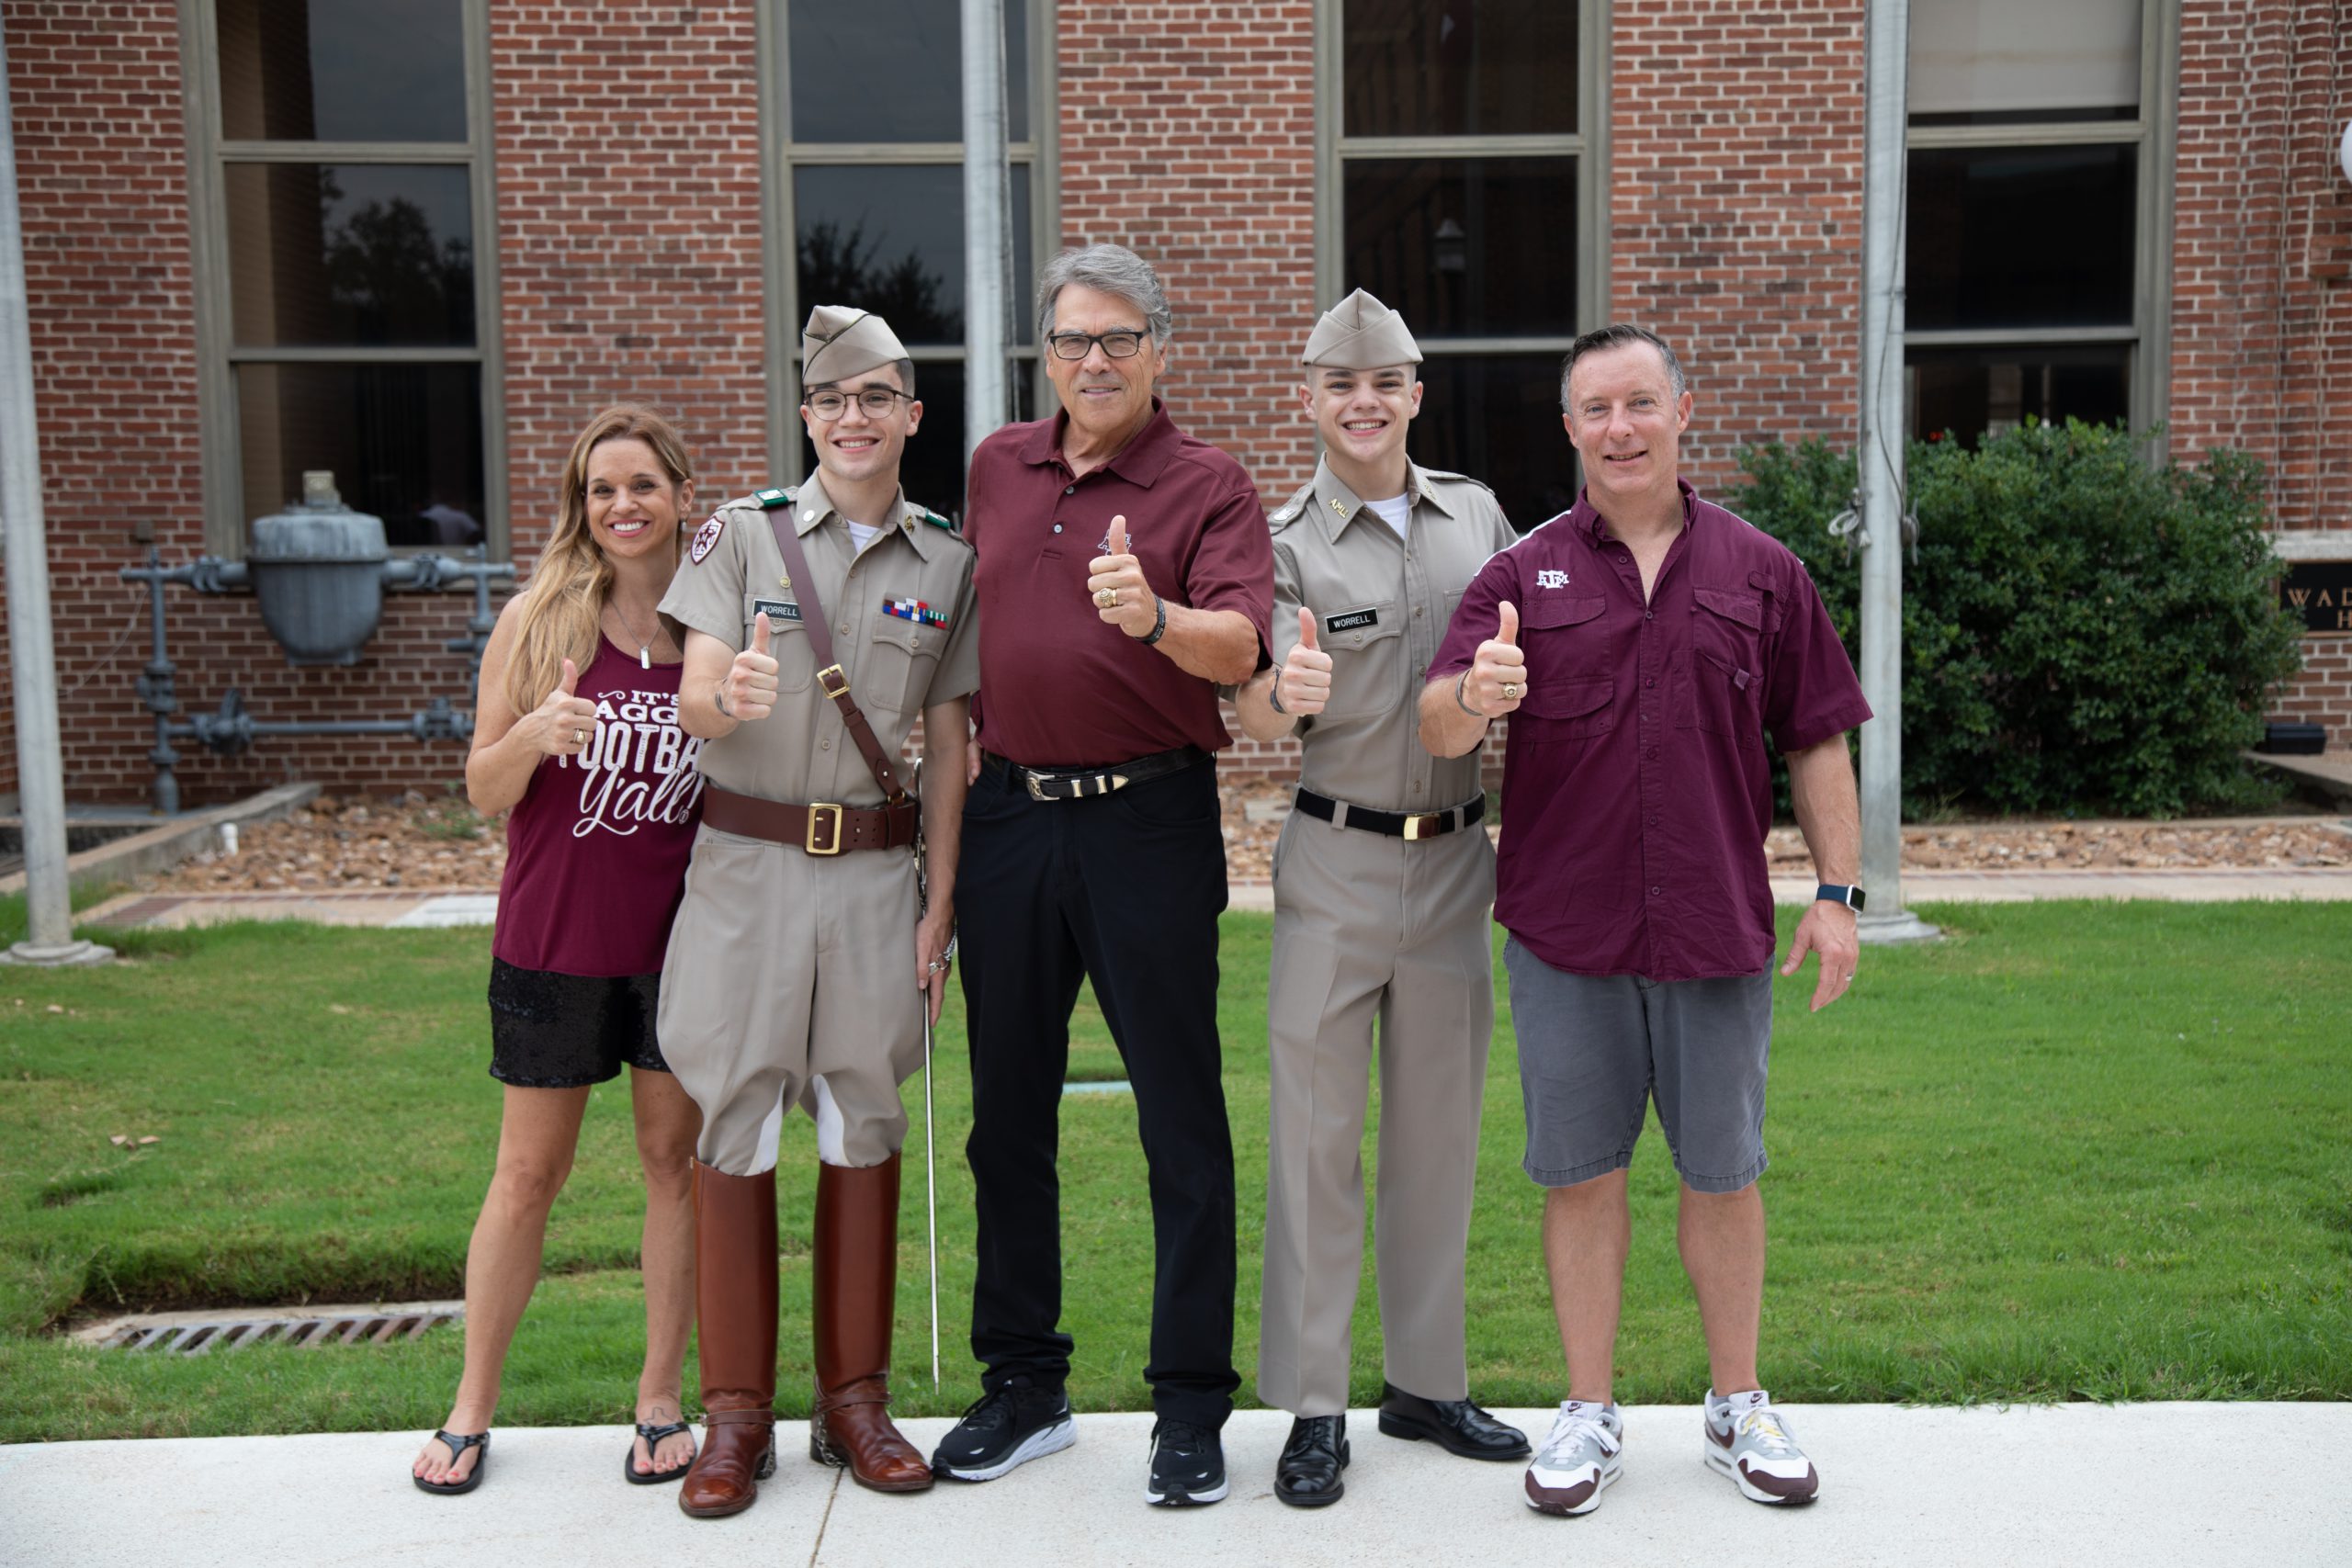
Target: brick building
[[416, 241]]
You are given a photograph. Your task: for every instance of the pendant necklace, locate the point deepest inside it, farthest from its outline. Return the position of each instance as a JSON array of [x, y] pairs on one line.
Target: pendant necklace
[[644, 644]]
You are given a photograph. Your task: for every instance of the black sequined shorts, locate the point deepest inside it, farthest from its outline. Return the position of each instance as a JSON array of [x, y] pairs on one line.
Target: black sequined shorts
[[549, 1031]]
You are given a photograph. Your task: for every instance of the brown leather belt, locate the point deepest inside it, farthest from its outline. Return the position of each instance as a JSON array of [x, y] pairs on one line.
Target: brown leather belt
[[822, 828]]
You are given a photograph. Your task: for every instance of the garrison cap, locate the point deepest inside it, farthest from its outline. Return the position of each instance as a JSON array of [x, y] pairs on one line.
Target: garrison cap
[[1359, 333], [841, 341]]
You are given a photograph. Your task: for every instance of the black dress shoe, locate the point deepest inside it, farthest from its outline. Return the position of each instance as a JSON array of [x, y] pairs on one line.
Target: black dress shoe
[[1307, 1475], [1454, 1425]]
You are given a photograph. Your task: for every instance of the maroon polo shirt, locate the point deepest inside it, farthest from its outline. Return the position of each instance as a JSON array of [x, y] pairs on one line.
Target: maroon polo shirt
[[1060, 686], [1637, 792]]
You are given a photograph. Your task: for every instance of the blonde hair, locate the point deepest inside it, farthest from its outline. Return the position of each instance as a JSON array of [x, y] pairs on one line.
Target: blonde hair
[[565, 597]]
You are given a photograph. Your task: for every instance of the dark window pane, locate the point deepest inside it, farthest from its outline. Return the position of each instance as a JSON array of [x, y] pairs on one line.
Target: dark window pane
[[932, 470], [342, 69], [1497, 418], [1967, 393], [2021, 237], [1465, 247], [890, 240], [339, 254], [1459, 67], [403, 441], [892, 71]]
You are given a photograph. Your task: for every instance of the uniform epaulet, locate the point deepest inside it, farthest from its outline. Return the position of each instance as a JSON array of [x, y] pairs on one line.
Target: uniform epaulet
[[936, 521], [1285, 514], [772, 499], [1464, 479]]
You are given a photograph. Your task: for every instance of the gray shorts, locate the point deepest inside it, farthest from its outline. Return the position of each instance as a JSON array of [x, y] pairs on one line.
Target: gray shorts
[[1593, 1049]]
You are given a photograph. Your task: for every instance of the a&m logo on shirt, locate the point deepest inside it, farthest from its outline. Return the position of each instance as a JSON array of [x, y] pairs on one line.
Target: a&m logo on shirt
[[915, 610], [705, 537], [1551, 577]]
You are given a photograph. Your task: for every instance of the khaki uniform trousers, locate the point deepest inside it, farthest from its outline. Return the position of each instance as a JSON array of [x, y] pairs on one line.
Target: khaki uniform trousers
[[1369, 927], [790, 977]]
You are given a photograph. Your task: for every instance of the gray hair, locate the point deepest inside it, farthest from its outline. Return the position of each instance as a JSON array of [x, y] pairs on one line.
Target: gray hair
[[1618, 334], [1108, 269]]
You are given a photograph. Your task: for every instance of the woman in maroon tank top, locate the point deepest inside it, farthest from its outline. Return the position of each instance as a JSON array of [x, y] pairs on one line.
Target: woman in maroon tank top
[[576, 730]]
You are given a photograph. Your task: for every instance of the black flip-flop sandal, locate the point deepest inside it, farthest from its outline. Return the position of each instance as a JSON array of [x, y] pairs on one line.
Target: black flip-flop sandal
[[654, 1436], [457, 1443]]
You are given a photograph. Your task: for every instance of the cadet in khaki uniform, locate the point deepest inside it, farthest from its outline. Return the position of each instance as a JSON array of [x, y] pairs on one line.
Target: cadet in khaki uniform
[[797, 968], [1383, 881]]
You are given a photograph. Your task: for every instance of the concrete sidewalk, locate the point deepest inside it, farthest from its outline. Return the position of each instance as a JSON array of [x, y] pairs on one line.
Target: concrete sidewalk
[[2078, 1485]]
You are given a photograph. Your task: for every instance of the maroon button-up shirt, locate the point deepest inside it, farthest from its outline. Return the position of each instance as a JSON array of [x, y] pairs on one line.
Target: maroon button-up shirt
[[1059, 687], [1636, 793]]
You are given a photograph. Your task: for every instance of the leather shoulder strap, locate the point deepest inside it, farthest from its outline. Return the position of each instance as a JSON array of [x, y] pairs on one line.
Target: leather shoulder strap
[[829, 673]]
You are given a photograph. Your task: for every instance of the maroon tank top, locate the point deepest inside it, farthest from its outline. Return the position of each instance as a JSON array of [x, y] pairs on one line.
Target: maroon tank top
[[596, 848]]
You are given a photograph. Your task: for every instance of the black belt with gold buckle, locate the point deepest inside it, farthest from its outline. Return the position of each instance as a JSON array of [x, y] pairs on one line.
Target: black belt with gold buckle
[[1412, 826], [1077, 784]]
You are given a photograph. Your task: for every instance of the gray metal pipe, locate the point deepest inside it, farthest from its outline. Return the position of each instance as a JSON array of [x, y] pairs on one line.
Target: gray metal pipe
[[1879, 459], [987, 226], [32, 655]]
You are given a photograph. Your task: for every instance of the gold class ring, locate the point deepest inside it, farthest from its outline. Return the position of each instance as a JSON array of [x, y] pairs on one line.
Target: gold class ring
[[1106, 598], [1511, 690]]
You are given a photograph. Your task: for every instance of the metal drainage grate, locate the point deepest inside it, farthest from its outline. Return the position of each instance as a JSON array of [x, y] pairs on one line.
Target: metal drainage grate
[[201, 1339]]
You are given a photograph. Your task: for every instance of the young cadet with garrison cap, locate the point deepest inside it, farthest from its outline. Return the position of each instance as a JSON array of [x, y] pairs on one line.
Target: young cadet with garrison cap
[[819, 622], [1124, 572], [1383, 880], [1644, 644]]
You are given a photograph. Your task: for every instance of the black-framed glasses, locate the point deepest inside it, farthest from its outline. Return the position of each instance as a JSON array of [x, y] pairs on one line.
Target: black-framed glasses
[[1121, 344], [878, 402]]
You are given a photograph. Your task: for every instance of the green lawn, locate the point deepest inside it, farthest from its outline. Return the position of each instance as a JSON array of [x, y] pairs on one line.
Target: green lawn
[[2078, 1150]]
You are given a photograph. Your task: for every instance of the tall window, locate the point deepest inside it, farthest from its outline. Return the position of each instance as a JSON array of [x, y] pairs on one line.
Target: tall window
[[1459, 181], [2038, 228], [343, 249], [869, 185]]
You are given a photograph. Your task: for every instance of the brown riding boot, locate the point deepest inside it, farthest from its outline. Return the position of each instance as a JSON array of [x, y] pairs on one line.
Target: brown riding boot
[[855, 1293], [735, 1320]]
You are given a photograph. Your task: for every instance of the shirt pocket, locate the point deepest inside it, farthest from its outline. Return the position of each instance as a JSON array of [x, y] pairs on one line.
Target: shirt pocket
[[1721, 680], [1367, 660], [795, 662], [901, 657], [1575, 708], [1556, 650]]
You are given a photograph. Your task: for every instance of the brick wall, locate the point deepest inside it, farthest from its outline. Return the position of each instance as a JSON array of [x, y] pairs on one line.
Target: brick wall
[[629, 246], [2262, 274], [1736, 135]]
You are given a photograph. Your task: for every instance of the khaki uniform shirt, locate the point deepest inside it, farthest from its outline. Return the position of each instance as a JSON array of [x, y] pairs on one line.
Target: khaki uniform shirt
[[1381, 606], [898, 663]]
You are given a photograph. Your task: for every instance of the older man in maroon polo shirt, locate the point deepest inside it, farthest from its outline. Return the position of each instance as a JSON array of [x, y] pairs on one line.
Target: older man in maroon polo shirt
[[1124, 572], [1644, 644]]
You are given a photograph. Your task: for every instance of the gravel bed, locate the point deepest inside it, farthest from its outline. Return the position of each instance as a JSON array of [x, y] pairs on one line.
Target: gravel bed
[[356, 842]]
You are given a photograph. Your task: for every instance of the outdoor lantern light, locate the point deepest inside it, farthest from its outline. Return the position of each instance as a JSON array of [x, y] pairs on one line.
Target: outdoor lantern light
[[2344, 154]]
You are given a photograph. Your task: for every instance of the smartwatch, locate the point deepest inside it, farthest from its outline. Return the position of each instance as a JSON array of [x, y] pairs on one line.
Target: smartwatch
[[1849, 897]]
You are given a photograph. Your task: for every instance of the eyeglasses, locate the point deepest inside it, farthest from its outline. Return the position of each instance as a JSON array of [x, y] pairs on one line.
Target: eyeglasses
[[1076, 346], [878, 402]]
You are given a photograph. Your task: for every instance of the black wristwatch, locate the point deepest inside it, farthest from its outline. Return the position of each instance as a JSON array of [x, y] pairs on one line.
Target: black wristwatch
[[1849, 897]]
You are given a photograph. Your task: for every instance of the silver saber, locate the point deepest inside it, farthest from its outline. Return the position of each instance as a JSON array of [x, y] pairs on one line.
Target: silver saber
[[929, 1139]]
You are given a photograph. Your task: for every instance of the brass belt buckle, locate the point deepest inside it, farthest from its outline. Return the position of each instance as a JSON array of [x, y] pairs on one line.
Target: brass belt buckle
[[836, 693], [809, 839], [1037, 791], [1425, 825]]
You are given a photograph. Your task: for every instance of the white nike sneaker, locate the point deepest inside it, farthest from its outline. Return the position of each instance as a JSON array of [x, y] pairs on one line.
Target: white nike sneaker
[[1750, 1441], [1578, 1459]]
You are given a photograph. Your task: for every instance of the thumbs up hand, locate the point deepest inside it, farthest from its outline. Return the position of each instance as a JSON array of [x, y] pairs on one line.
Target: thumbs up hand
[[1304, 686], [1116, 584], [1497, 679], [562, 724], [749, 690]]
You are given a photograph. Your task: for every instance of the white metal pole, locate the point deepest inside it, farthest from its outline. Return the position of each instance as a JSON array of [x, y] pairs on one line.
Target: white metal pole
[[1880, 460], [988, 230], [41, 784]]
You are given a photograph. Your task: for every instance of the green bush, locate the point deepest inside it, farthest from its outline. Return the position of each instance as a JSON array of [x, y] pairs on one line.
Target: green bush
[[2081, 631]]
